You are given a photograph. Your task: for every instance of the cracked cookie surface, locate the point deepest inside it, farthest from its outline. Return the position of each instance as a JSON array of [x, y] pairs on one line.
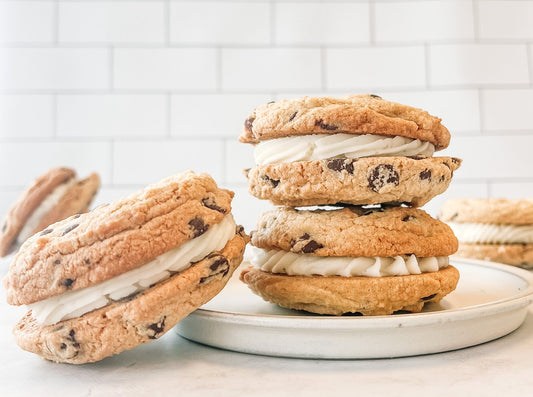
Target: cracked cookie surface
[[354, 231], [369, 180], [113, 239], [362, 295], [353, 114]]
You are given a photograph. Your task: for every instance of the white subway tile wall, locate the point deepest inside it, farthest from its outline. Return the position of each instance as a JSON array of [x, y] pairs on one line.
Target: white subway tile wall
[[140, 89]]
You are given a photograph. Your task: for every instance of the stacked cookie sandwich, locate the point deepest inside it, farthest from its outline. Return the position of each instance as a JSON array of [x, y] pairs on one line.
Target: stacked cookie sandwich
[[124, 274], [51, 197], [347, 153], [498, 230]]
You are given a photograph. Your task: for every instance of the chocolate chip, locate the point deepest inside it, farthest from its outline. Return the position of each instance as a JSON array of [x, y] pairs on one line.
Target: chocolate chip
[[305, 236], [210, 203], [408, 218], [456, 161], [63, 346], [57, 262], [72, 338], [239, 230], [273, 182], [341, 164], [46, 231], [426, 298], [426, 174], [87, 261], [311, 247], [69, 229], [156, 329], [68, 282], [248, 124], [293, 116], [442, 178], [324, 126], [382, 175], [375, 96], [447, 165], [220, 262], [198, 226]]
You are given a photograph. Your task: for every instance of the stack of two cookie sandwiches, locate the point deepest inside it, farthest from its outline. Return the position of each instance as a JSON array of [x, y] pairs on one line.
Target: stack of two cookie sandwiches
[[361, 157]]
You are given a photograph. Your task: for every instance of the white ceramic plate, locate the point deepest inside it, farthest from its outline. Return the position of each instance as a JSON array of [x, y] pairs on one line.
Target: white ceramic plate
[[490, 301]]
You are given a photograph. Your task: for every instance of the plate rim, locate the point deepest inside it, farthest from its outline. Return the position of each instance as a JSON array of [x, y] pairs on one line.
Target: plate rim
[[523, 298]]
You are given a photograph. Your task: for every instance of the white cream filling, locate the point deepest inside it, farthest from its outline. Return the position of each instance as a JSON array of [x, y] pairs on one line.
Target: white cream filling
[[292, 264], [486, 233], [75, 303], [323, 146], [44, 208]]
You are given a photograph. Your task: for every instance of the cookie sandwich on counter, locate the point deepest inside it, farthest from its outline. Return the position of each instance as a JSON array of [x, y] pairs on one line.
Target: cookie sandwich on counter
[[358, 159], [51, 197], [499, 230], [99, 283]]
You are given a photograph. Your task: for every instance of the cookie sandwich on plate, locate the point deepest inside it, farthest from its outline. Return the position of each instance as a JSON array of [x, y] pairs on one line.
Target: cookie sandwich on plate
[[351, 260], [359, 149], [51, 197], [99, 283], [499, 230], [359, 159]]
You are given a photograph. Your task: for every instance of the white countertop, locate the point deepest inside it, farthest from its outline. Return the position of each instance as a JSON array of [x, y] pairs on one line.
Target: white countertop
[[175, 366]]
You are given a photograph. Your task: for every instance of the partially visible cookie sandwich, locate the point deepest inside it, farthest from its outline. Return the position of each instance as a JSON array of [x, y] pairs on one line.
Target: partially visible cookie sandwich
[[99, 283], [359, 149], [498, 230], [51, 197], [351, 260]]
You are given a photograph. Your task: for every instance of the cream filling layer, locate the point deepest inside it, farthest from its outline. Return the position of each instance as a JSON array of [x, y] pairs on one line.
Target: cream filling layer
[[322, 147], [76, 303], [44, 208], [276, 261], [487, 233]]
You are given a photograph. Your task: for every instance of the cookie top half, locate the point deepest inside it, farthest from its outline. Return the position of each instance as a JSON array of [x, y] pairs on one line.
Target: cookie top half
[[115, 238], [353, 114], [355, 231], [498, 211]]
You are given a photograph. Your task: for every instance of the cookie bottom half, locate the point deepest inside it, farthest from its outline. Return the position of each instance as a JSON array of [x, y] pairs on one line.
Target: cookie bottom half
[[134, 320], [520, 255], [363, 295], [363, 181]]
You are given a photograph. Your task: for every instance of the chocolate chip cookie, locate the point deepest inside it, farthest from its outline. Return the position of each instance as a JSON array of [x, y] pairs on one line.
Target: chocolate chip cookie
[[498, 230], [51, 197], [371, 261], [105, 281], [370, 180], [352, 114], [360, 149]]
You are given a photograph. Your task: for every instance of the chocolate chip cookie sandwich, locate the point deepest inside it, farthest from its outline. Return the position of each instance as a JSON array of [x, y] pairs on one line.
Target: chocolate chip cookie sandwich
[[351, 260], [51, 197], [498, 230], [106, 281], [359, 149]]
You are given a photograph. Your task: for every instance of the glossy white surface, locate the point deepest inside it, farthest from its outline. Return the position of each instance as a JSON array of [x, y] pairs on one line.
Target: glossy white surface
[[175, 365], [490, 301]]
